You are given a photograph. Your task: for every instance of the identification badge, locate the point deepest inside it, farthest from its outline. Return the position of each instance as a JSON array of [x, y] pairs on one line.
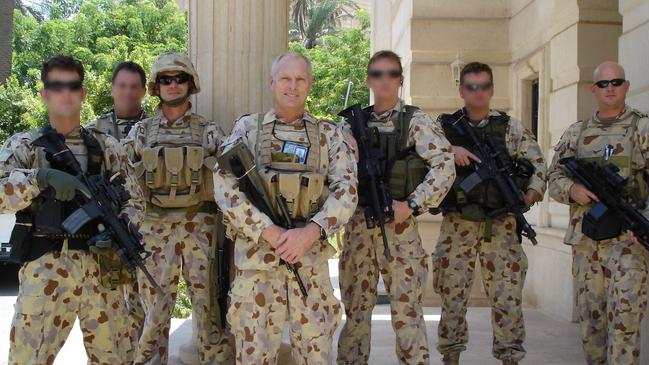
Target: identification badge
[[297, 149]]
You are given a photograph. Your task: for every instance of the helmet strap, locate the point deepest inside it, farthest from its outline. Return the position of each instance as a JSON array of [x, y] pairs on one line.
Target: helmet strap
[[176, 102]]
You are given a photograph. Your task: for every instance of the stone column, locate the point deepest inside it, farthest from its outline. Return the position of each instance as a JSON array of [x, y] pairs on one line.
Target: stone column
[[232, 44], [633, 55]]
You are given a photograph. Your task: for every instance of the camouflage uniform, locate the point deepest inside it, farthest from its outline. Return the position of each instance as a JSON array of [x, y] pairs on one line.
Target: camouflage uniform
[[264, 295], [502, 260], [65, 283], [173, 161], [363, 255], [610, 276], [119, 128]]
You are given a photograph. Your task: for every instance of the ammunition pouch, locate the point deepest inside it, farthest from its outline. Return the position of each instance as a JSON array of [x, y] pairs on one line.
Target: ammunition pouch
[[303, 191], [406, 174], [112, 272], [600, 223], [176, 177]]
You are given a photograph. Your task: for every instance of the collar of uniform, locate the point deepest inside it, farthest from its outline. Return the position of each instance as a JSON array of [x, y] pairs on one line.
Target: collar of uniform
[[272, 117], [180, 121], [492, 113], [625, 114], [386, 115]]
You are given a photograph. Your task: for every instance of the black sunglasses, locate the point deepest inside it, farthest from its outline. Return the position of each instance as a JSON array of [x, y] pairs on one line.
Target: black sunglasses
[[180, 79], [602, 84], [58, 86], [377, 74], [474, 87]]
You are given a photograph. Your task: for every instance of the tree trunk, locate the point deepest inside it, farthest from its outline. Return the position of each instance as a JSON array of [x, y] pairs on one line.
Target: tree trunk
[[6, 38]]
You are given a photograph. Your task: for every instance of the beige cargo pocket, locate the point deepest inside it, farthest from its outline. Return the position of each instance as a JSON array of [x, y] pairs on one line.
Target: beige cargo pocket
[[436, 273], [241, 300]]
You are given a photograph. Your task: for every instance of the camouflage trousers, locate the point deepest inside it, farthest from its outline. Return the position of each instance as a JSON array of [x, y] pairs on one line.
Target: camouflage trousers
[[362, 259], [611, 293], [503, 266], [180, 245], [54, 290], [262, 302], [135, 312]]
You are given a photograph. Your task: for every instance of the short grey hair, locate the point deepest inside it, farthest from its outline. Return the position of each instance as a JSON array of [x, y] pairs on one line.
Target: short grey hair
[[275, 66]]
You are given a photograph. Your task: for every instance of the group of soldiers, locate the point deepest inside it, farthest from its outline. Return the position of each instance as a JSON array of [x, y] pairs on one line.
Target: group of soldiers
[[184, 194]]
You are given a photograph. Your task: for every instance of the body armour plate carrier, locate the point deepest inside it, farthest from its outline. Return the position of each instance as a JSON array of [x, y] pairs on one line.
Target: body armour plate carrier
[[403, 169], [176, 170], [297, 170], [477, 204]]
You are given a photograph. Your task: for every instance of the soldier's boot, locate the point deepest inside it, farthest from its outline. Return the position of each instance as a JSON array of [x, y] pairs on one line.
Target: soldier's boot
[[451, 358]]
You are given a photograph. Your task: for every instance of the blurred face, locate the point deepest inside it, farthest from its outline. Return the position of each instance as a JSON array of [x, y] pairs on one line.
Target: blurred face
[[476, 90], [384, 78], [610, 86], [63, 93], [173, 85], [127, 90], [291, 84]]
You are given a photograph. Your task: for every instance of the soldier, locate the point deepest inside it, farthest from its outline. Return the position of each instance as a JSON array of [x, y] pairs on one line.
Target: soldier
[[363, 255], [469, 228], [174, 152], [128, 87], [610, 275], [287, 142], [60, 278]]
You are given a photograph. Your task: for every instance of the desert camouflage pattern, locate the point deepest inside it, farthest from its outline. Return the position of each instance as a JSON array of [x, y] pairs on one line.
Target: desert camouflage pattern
[[502, 260], [265, 295], [180, 240], [173, 61], [503, 265], [363, 256], [610, 275], [116, 127], [108, 123], [61, 286]]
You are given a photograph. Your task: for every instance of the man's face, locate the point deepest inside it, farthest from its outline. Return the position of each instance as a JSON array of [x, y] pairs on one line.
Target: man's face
[[173, 85], [127, 90], [477, 90], [291, 83], [63, 93], [615, 87], [384, 78]]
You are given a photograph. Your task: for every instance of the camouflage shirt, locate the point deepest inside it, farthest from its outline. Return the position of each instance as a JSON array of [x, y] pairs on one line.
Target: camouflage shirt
[[339, 167], [20, 160], [559, 180]]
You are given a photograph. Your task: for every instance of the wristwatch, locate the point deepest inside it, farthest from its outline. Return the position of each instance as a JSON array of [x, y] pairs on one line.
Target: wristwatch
[[413, 205]]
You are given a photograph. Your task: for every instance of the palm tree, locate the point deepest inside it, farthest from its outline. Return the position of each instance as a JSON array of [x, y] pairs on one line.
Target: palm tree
[[311, 19]]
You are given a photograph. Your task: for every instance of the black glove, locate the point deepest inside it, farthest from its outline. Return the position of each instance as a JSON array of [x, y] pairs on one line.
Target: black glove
[[65, 185], [101, 243]]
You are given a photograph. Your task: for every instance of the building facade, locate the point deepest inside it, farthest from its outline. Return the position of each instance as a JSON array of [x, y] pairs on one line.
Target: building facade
[[543, 53]]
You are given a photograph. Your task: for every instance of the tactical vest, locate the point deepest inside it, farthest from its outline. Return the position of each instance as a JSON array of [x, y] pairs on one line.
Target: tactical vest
[[402, 168], [485, 198], [38, 227], [296, 169], [613, 144], [118, 128], [176, 169]]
